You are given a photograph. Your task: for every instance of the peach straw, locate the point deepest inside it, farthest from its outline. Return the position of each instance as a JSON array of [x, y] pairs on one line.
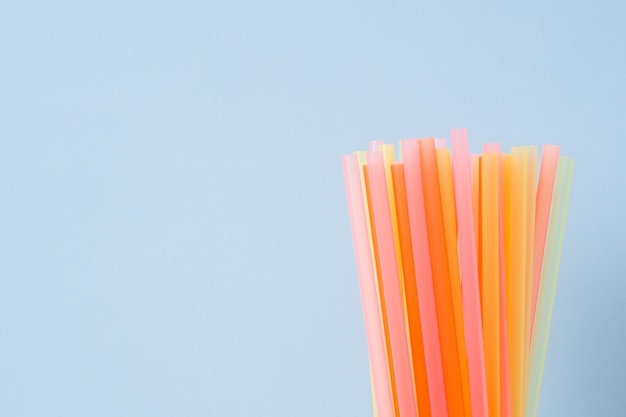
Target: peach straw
[[441, 278], [375, 145], [381, 289], [391, 284], [410, 291], [423, 274], [549, 280], [477, 228], [505, 397], [547, 173], [491, 277], [369, 297], [362, 157], [388, 156], [444, 169], [469, 273]]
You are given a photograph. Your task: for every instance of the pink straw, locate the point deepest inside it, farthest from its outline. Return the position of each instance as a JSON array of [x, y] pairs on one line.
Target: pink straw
[[547, 174], [367, 281], [391, 285], [469, 272]]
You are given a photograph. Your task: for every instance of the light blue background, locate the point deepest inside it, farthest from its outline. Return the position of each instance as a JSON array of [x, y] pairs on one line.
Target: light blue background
[[174, 236]]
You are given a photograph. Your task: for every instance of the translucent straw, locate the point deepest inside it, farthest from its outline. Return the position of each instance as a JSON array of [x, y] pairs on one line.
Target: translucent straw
[[516, 288], [424, 277], [491, 275], [449, 221], [441, 278], [545, 187], [549, 280], [369, 215], [391, 282], [410, 292], [367, 281], [505, 392], [531, 198], [388, 156], [469, 272]]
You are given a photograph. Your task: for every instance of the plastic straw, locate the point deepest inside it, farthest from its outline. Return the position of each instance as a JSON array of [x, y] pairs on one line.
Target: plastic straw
[[506, 173], [549, 280], [491, 276], [375, 145], [505, 397], [531, 198], [444, 168], [391, 283], [424, 278], [388, 155], [469, 273], [547, 173], [367, 282], [410, 291], [477, 226], [441, 278], [381, 290], [362, 158], [516, 276]]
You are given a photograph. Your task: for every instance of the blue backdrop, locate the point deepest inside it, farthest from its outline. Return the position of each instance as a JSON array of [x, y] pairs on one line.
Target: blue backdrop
[[174, 235]]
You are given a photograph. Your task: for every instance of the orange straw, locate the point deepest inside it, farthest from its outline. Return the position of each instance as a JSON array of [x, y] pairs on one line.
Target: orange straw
[[410, 291], [391, 283], [441, 278], [531, 199], [491, 277], [424, 277], [505, 395], [469, 273], [369, 298], [516, 250], [444, 169]]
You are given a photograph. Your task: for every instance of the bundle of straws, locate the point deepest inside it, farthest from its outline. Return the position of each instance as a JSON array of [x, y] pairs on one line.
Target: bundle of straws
[[458, 258]]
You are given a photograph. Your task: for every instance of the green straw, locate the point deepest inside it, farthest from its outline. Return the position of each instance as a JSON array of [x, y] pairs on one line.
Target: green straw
[[549, 278]]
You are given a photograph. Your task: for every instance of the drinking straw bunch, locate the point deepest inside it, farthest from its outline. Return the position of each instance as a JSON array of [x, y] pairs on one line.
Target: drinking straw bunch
[[458, 258]]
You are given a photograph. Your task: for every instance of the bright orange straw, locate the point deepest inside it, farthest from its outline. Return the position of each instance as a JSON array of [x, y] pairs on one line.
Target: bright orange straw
[[469, 272], [444, 168], [491, 276], [441, 278], [382, 397], [391, 282], [423, 272], [410, 291], [547, 174]]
